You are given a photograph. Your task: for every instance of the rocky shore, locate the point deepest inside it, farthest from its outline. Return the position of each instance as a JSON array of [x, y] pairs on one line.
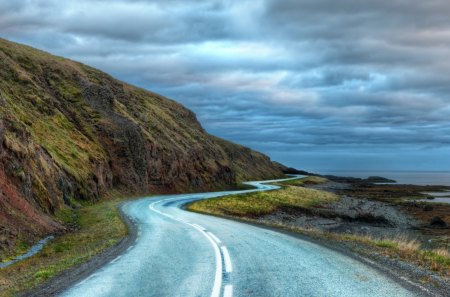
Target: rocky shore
[[367, 208]]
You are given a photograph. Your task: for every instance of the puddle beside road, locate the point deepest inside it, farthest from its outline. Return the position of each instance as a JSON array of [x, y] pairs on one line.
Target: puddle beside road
[[31, 252]]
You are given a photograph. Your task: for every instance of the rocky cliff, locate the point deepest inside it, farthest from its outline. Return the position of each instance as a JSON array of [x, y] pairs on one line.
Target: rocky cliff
[[69, 132]]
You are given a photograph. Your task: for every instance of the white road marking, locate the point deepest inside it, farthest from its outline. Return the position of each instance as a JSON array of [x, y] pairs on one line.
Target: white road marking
[[214, 237], [198, 226], [418, 286], [117, 258], [218, 276], [130, 247], [86, 279], [228, 291], [226, 259]]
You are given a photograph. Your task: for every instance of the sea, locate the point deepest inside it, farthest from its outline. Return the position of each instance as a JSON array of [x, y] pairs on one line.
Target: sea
[[441, 178]]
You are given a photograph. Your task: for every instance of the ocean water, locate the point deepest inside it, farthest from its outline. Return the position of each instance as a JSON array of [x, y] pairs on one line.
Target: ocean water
[[402, 177]]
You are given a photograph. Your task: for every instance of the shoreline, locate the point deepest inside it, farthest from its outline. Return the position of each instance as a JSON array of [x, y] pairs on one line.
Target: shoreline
[[402, 177]]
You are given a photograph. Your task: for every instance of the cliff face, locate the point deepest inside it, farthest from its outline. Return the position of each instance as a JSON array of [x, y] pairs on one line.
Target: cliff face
[[69, 132]]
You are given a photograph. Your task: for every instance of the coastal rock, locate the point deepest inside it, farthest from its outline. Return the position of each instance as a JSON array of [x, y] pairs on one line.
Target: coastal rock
[[371, 212], [379, 179], [437, 222]]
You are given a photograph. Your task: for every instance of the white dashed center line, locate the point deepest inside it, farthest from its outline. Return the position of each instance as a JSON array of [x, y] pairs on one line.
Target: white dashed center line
[[228, 291], [226, 259]]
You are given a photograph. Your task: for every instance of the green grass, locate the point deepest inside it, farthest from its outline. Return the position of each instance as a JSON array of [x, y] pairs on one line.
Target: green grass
[[310, 180], [68, 147], [437, 259], [20, 248], [386, 243], [263, 203], [100, 227], [438, 256]]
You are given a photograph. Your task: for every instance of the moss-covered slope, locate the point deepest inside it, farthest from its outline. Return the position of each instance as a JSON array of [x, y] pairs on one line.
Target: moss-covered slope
[[69, 132]]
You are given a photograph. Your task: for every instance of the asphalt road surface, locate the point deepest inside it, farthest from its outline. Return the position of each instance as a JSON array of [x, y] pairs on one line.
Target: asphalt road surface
[[179, 253]]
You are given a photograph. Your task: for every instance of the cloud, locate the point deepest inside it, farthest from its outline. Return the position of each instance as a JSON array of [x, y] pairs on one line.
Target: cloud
[[311, 78]]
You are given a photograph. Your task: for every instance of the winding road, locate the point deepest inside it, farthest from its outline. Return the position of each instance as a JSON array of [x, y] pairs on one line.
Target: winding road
[[180, 253]]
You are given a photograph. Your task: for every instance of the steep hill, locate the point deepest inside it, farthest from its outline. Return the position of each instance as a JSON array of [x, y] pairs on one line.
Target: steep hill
[[70, 132]]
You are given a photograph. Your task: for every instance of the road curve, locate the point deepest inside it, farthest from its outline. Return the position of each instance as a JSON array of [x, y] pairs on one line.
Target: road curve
[[179, 253]]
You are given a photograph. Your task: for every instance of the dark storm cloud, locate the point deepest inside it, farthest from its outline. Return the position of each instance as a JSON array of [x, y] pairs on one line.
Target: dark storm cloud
[[321, 78]]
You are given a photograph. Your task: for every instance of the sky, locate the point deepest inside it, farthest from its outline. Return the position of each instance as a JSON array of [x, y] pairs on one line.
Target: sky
[[320, 85]]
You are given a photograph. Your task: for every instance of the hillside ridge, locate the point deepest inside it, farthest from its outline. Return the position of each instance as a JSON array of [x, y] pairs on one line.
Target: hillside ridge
[[70, 133]]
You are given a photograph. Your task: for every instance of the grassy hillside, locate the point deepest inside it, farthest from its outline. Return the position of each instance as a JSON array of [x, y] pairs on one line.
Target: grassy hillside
[[71, 133]]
